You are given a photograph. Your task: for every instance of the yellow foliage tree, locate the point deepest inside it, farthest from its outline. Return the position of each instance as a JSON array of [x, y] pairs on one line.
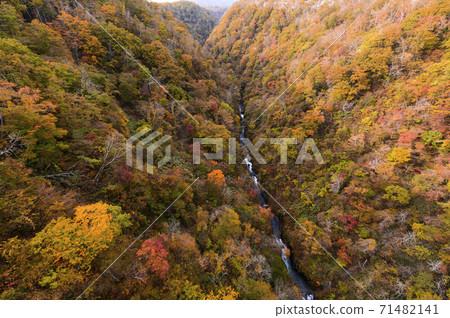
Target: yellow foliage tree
[[61, 254], [399, 155]]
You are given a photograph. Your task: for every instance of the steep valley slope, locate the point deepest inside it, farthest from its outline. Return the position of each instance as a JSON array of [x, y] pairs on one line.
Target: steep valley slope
[[370, 86], [369, 82]]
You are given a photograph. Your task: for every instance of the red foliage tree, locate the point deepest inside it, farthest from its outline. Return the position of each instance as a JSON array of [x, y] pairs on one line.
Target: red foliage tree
[[154, 255]]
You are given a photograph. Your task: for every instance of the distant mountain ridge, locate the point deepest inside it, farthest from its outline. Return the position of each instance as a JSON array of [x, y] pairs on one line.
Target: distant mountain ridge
[[221, 3], [199, 21]]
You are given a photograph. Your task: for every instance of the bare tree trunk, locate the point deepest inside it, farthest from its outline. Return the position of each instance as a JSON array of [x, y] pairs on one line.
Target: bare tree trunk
[[114, 150]]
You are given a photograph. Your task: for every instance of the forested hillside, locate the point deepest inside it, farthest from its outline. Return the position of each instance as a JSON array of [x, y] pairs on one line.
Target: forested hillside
[[199, 21], [368, 81], [73, 88], [371, 86]]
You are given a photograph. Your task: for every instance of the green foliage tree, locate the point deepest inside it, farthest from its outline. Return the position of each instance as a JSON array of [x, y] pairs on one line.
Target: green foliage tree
[[9, 20], [397, 194]]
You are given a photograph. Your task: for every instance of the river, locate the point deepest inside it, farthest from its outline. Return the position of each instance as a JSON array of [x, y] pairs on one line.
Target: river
[[297, 278]]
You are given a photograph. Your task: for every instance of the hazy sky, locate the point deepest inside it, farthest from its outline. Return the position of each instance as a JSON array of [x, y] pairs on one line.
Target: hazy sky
[[225, 3]]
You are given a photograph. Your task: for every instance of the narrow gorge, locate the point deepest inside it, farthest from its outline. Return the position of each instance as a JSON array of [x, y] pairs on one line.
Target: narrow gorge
[[297, 278]]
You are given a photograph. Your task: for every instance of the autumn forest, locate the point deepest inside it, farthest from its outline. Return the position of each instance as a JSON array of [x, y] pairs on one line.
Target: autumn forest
[[367, 81]]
